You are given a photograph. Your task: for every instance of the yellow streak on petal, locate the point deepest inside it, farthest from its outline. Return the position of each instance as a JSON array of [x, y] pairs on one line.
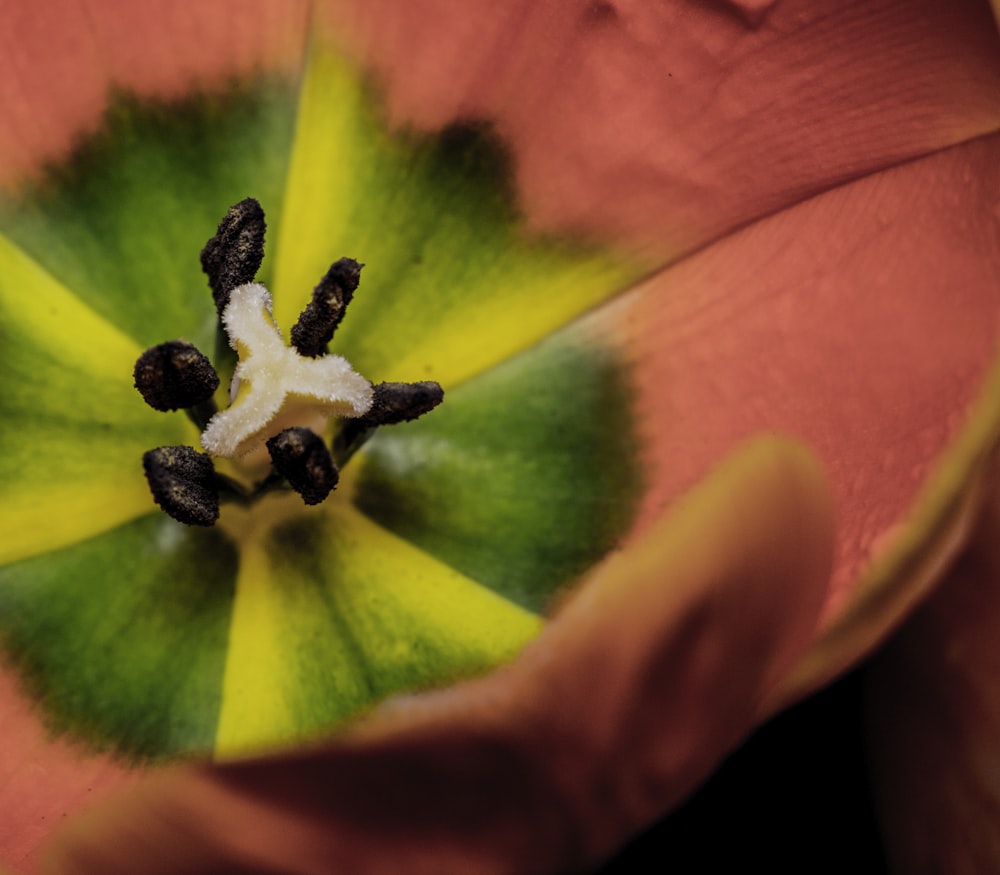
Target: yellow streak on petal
[[384, 614], [511, 295], [35, 304], [70, 472], [36, 523], [321, 165], [254, 706]]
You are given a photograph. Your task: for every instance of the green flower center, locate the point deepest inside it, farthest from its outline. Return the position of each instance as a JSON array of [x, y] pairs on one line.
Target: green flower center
[[446, 538], [281, 397]]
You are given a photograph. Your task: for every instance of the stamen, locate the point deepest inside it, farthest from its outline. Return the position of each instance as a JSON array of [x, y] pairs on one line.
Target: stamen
[[174, 375], [183, 484], [275, 383], [280, 396], [392, 403], [314, 330], [303, 460], [233, 256], [401, 402]]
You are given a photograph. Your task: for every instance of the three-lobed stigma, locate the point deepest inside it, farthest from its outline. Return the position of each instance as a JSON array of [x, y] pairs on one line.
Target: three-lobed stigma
[[275, 383]]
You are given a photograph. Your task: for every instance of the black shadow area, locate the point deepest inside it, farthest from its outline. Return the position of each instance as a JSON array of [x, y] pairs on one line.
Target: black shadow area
[[800, 782]]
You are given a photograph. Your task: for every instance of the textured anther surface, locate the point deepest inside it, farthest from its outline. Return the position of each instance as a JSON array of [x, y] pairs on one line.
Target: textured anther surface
[[182, 481], [174, 375], [301, 457]]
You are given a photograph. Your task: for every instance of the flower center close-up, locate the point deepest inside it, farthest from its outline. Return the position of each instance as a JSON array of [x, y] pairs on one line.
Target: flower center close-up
[[322, 546], [277, 392]]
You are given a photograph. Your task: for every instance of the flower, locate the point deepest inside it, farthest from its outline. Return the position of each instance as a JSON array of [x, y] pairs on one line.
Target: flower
[[717, 347]]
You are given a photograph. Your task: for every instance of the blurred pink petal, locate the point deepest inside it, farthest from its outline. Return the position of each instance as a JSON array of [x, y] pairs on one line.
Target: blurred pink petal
[[48, 779], [59, 59]]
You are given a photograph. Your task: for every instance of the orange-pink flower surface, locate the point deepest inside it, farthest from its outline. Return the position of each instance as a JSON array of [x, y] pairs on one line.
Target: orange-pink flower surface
[[779, 222]]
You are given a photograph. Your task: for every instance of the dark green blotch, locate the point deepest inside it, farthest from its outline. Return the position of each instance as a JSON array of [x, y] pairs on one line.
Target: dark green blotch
[[122, 221], [521, 479], [438, 227], [123, 636]]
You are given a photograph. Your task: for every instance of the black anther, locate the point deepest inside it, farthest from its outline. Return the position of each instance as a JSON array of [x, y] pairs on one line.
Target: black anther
[[182, 481], [174, 375], [314, 330], [233, 256], [301, 457], [401, 402]]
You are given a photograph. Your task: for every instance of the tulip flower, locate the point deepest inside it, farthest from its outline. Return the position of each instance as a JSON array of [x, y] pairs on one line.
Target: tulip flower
[[625, 239]]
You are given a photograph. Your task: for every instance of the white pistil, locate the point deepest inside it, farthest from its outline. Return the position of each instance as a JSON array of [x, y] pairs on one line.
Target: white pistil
[[277, 387]]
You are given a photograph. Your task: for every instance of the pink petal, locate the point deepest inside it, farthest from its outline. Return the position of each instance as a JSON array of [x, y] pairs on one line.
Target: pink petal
[[864, 321], [43, 780], [58, 61], [665, 125]]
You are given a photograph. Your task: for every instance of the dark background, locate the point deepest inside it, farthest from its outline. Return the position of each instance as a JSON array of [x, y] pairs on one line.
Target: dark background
[[799, 781]]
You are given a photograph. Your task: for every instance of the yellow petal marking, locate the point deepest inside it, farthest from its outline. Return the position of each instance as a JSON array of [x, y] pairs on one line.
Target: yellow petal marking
[[74, 427], [439, 300], [365, 615]]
